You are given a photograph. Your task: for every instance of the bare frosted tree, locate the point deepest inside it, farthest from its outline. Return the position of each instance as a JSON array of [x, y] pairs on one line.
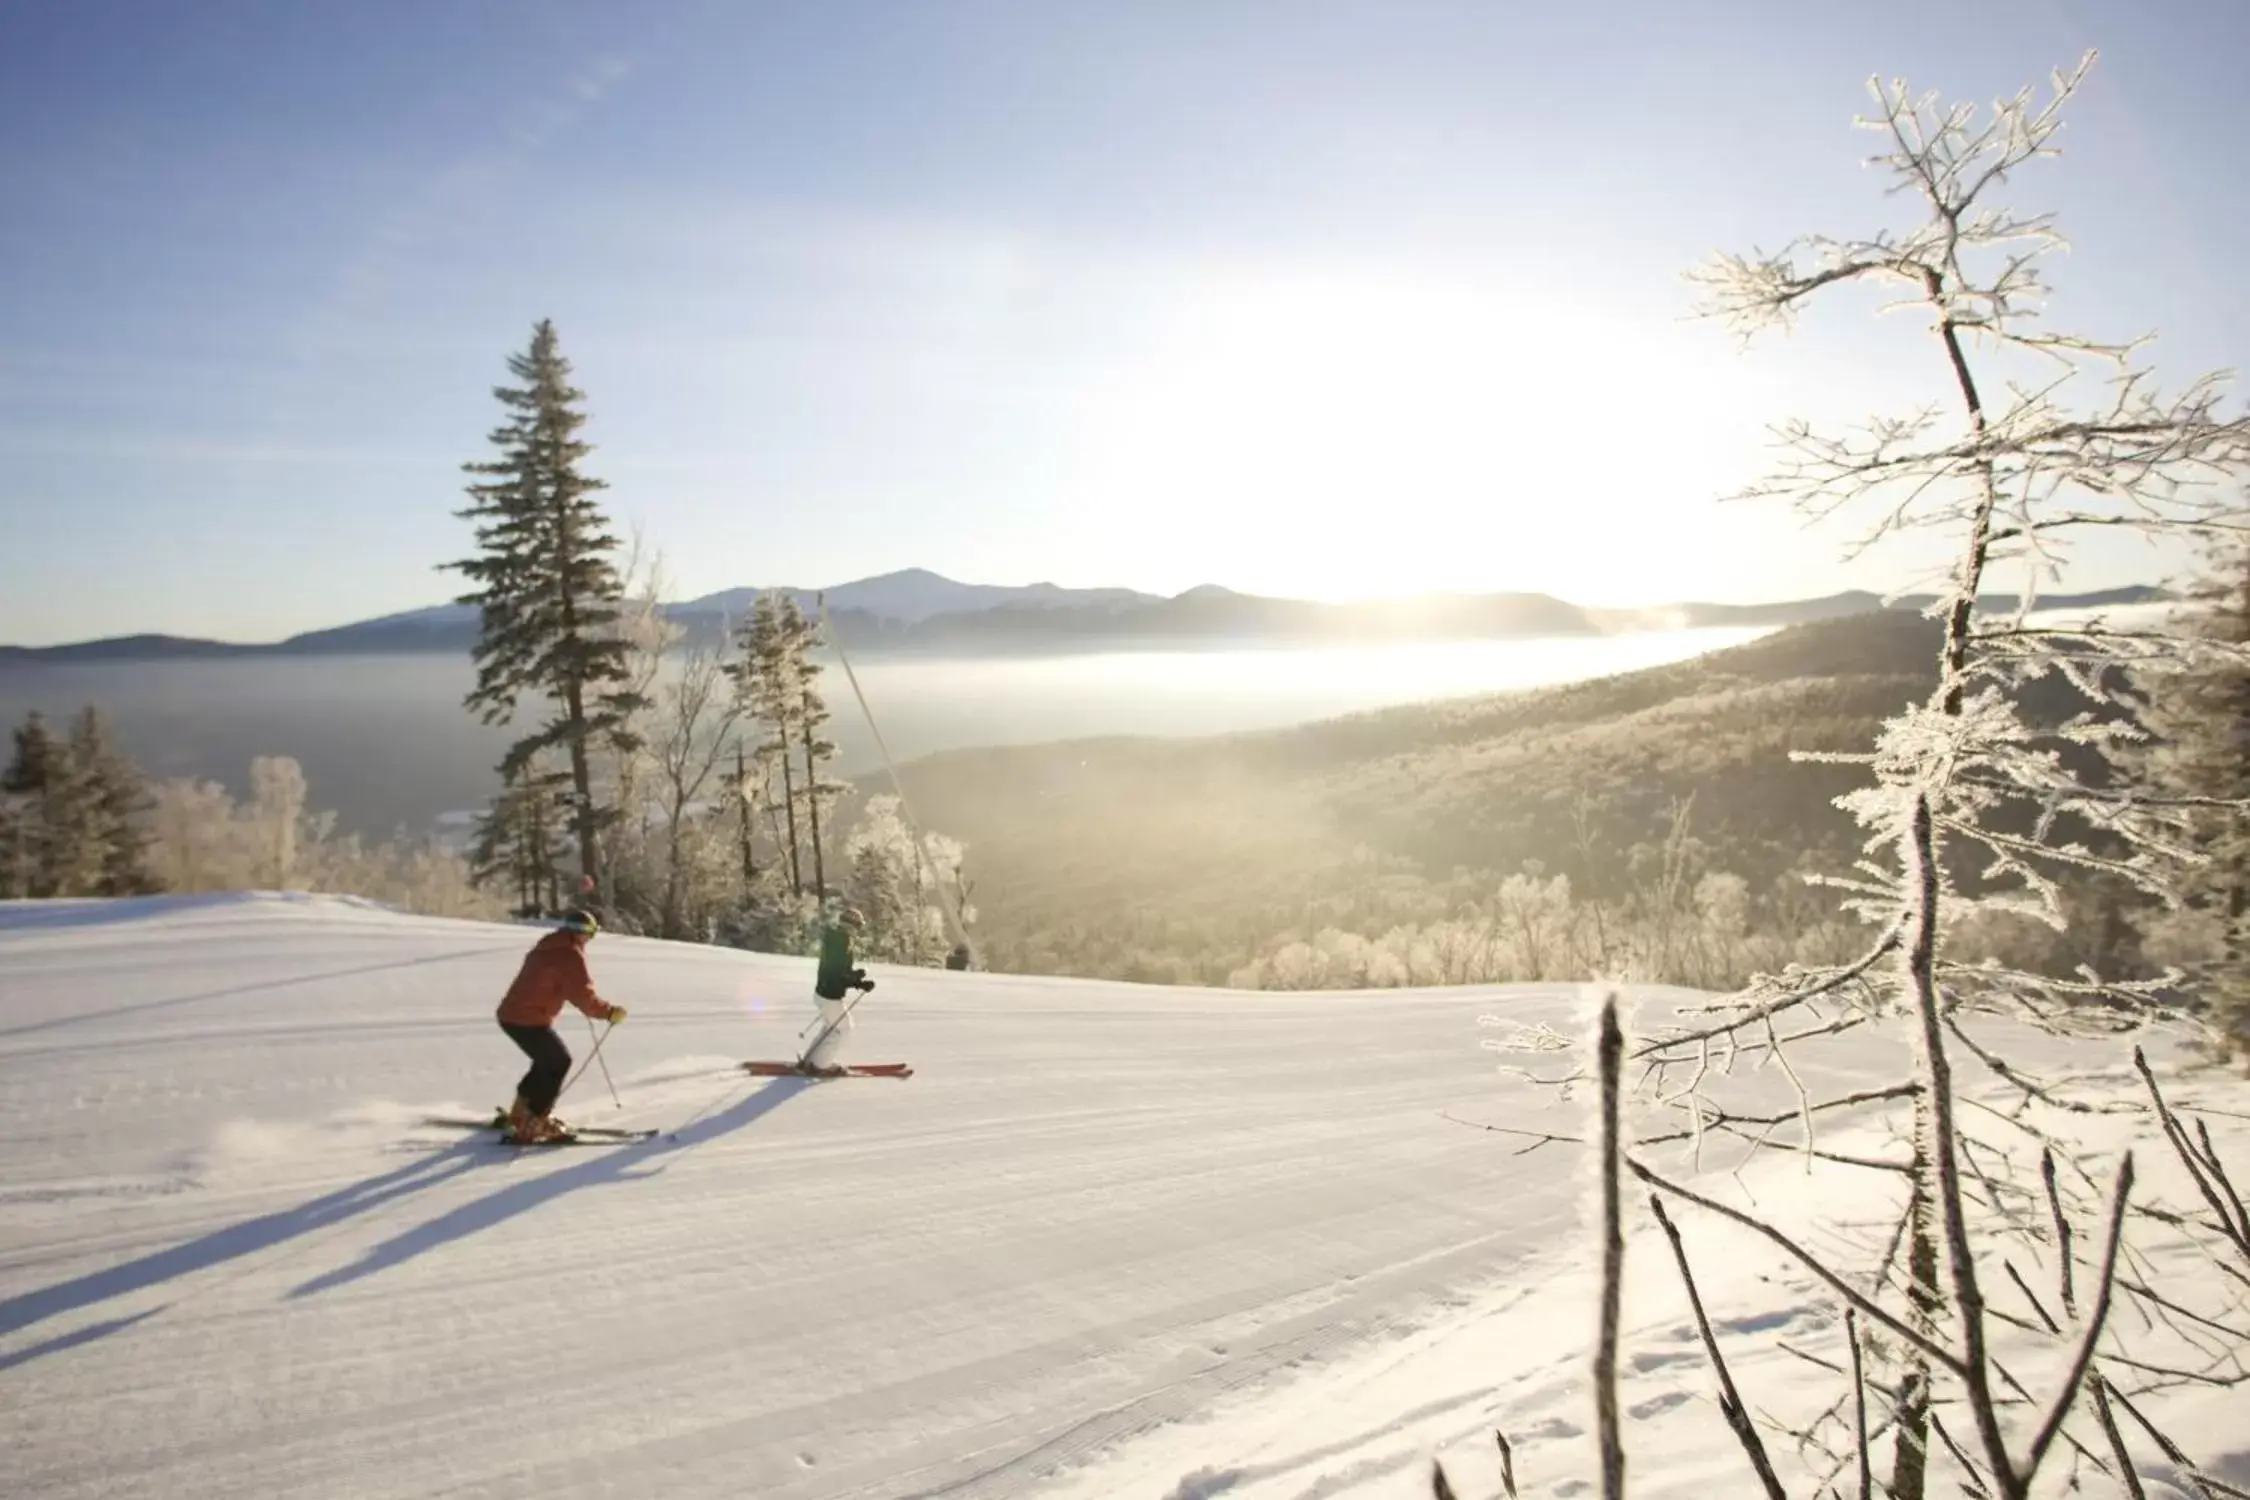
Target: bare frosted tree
[[196, 837], [628, 777], [1988, 799], [277, 813], [648, 635], [695, 721], [750, 794], [202, 840]]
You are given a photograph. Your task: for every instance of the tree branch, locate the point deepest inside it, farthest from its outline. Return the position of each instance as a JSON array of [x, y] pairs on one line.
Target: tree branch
[[2095, 1322], [1730, 1399], [1859, 1405], [1867, 1306], [2129, 1476]]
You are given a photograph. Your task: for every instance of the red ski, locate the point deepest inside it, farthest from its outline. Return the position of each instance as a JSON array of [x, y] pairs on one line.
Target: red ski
[[767, 1069]]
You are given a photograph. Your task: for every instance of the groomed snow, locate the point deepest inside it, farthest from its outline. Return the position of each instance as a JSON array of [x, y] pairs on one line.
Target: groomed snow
[[234, 1264], [1110, 1241]]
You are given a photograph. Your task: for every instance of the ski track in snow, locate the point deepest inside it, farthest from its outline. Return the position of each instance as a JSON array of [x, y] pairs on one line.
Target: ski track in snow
[[232, 1261], [1111, 1240]]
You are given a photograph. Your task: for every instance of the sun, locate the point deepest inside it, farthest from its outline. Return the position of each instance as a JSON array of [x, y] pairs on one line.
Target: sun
[[1340, 435]]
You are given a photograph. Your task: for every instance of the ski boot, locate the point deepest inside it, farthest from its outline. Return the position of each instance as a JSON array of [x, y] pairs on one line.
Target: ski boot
[[533, 1130]]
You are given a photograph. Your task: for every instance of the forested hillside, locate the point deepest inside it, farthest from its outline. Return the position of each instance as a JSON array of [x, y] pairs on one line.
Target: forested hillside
[[1185, 860]]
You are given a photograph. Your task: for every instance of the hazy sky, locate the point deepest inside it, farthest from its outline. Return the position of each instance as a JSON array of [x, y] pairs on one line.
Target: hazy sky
[[1304, 298]]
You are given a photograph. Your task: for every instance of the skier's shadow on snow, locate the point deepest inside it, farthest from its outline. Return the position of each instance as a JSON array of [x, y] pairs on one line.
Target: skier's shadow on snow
[[217, 1248], [623, 1163]]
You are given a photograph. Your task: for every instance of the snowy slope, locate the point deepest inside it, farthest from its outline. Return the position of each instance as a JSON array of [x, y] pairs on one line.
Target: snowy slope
[[1111, 1241], [232, 1264]]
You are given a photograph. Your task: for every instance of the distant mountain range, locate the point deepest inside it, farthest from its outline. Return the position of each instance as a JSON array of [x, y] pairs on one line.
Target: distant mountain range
[[917, 610]]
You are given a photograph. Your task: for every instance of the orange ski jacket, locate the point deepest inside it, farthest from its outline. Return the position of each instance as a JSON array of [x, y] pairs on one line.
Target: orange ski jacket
[[553, 971]]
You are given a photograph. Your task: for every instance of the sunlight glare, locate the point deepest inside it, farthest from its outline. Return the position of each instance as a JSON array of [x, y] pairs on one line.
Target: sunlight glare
[[1364, 435]]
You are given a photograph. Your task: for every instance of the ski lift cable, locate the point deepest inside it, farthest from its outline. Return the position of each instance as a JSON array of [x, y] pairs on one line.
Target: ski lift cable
[[953, 923]]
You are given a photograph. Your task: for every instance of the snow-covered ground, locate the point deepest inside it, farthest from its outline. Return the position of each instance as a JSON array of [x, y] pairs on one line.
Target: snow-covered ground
[[1110, 1240]]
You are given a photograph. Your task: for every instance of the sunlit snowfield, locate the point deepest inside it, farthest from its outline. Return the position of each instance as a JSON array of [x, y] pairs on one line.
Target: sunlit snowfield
[[384, 740], [235, 1264], [1111, 1241]]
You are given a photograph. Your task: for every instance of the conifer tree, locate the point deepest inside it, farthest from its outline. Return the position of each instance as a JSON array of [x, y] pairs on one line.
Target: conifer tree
[[75, 817], [117, 804], [35, 764], [548, 586], [37, 755], [516, 840], [811, 712], [766, 687], [15, 846]]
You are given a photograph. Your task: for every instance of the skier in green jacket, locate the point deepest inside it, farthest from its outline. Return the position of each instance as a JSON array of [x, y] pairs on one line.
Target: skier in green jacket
[[836, 978]]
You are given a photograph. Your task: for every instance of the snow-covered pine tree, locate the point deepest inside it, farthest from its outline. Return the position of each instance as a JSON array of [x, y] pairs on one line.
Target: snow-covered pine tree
[[35, 772], [812, 713], [1979, 807], [903, 892], [774, 680], [760, 675], [119, 810], [549, 590], [879, 881], [74, 819], [16, 852]]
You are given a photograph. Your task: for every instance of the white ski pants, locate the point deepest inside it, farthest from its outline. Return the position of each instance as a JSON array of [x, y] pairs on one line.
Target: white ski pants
[[825, 1052]]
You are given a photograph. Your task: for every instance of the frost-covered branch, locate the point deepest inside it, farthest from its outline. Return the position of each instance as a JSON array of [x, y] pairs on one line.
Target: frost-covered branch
[[1867, 1306], [1730, 1399], [2232, 1220], [2096, 1320], [1997, 802], [1770, 998]]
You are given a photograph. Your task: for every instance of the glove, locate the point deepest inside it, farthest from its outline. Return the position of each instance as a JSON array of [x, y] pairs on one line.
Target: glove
[[616, 1014], [865, 985]]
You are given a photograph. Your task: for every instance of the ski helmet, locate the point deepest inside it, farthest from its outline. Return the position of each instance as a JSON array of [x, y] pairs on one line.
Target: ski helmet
[[580, 921]]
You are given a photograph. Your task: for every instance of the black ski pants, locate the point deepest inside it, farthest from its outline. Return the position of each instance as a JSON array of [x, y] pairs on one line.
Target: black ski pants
[[550, 1064]]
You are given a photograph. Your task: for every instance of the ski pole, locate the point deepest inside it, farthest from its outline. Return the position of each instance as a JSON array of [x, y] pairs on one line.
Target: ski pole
[[597, 1053], [589, 1058], [818, 1021], [841, 1017]]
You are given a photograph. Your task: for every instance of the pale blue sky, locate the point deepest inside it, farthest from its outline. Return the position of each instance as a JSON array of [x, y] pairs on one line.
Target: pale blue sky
[[1305, 298]]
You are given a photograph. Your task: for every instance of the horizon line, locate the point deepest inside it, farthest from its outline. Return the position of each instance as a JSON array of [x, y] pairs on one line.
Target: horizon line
[[1359, 602]]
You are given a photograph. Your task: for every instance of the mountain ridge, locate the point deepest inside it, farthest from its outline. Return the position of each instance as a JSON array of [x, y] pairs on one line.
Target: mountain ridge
[[916, 609]]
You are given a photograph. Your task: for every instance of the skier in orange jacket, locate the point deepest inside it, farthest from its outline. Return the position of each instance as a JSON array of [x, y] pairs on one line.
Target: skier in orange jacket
[[553, 972]]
